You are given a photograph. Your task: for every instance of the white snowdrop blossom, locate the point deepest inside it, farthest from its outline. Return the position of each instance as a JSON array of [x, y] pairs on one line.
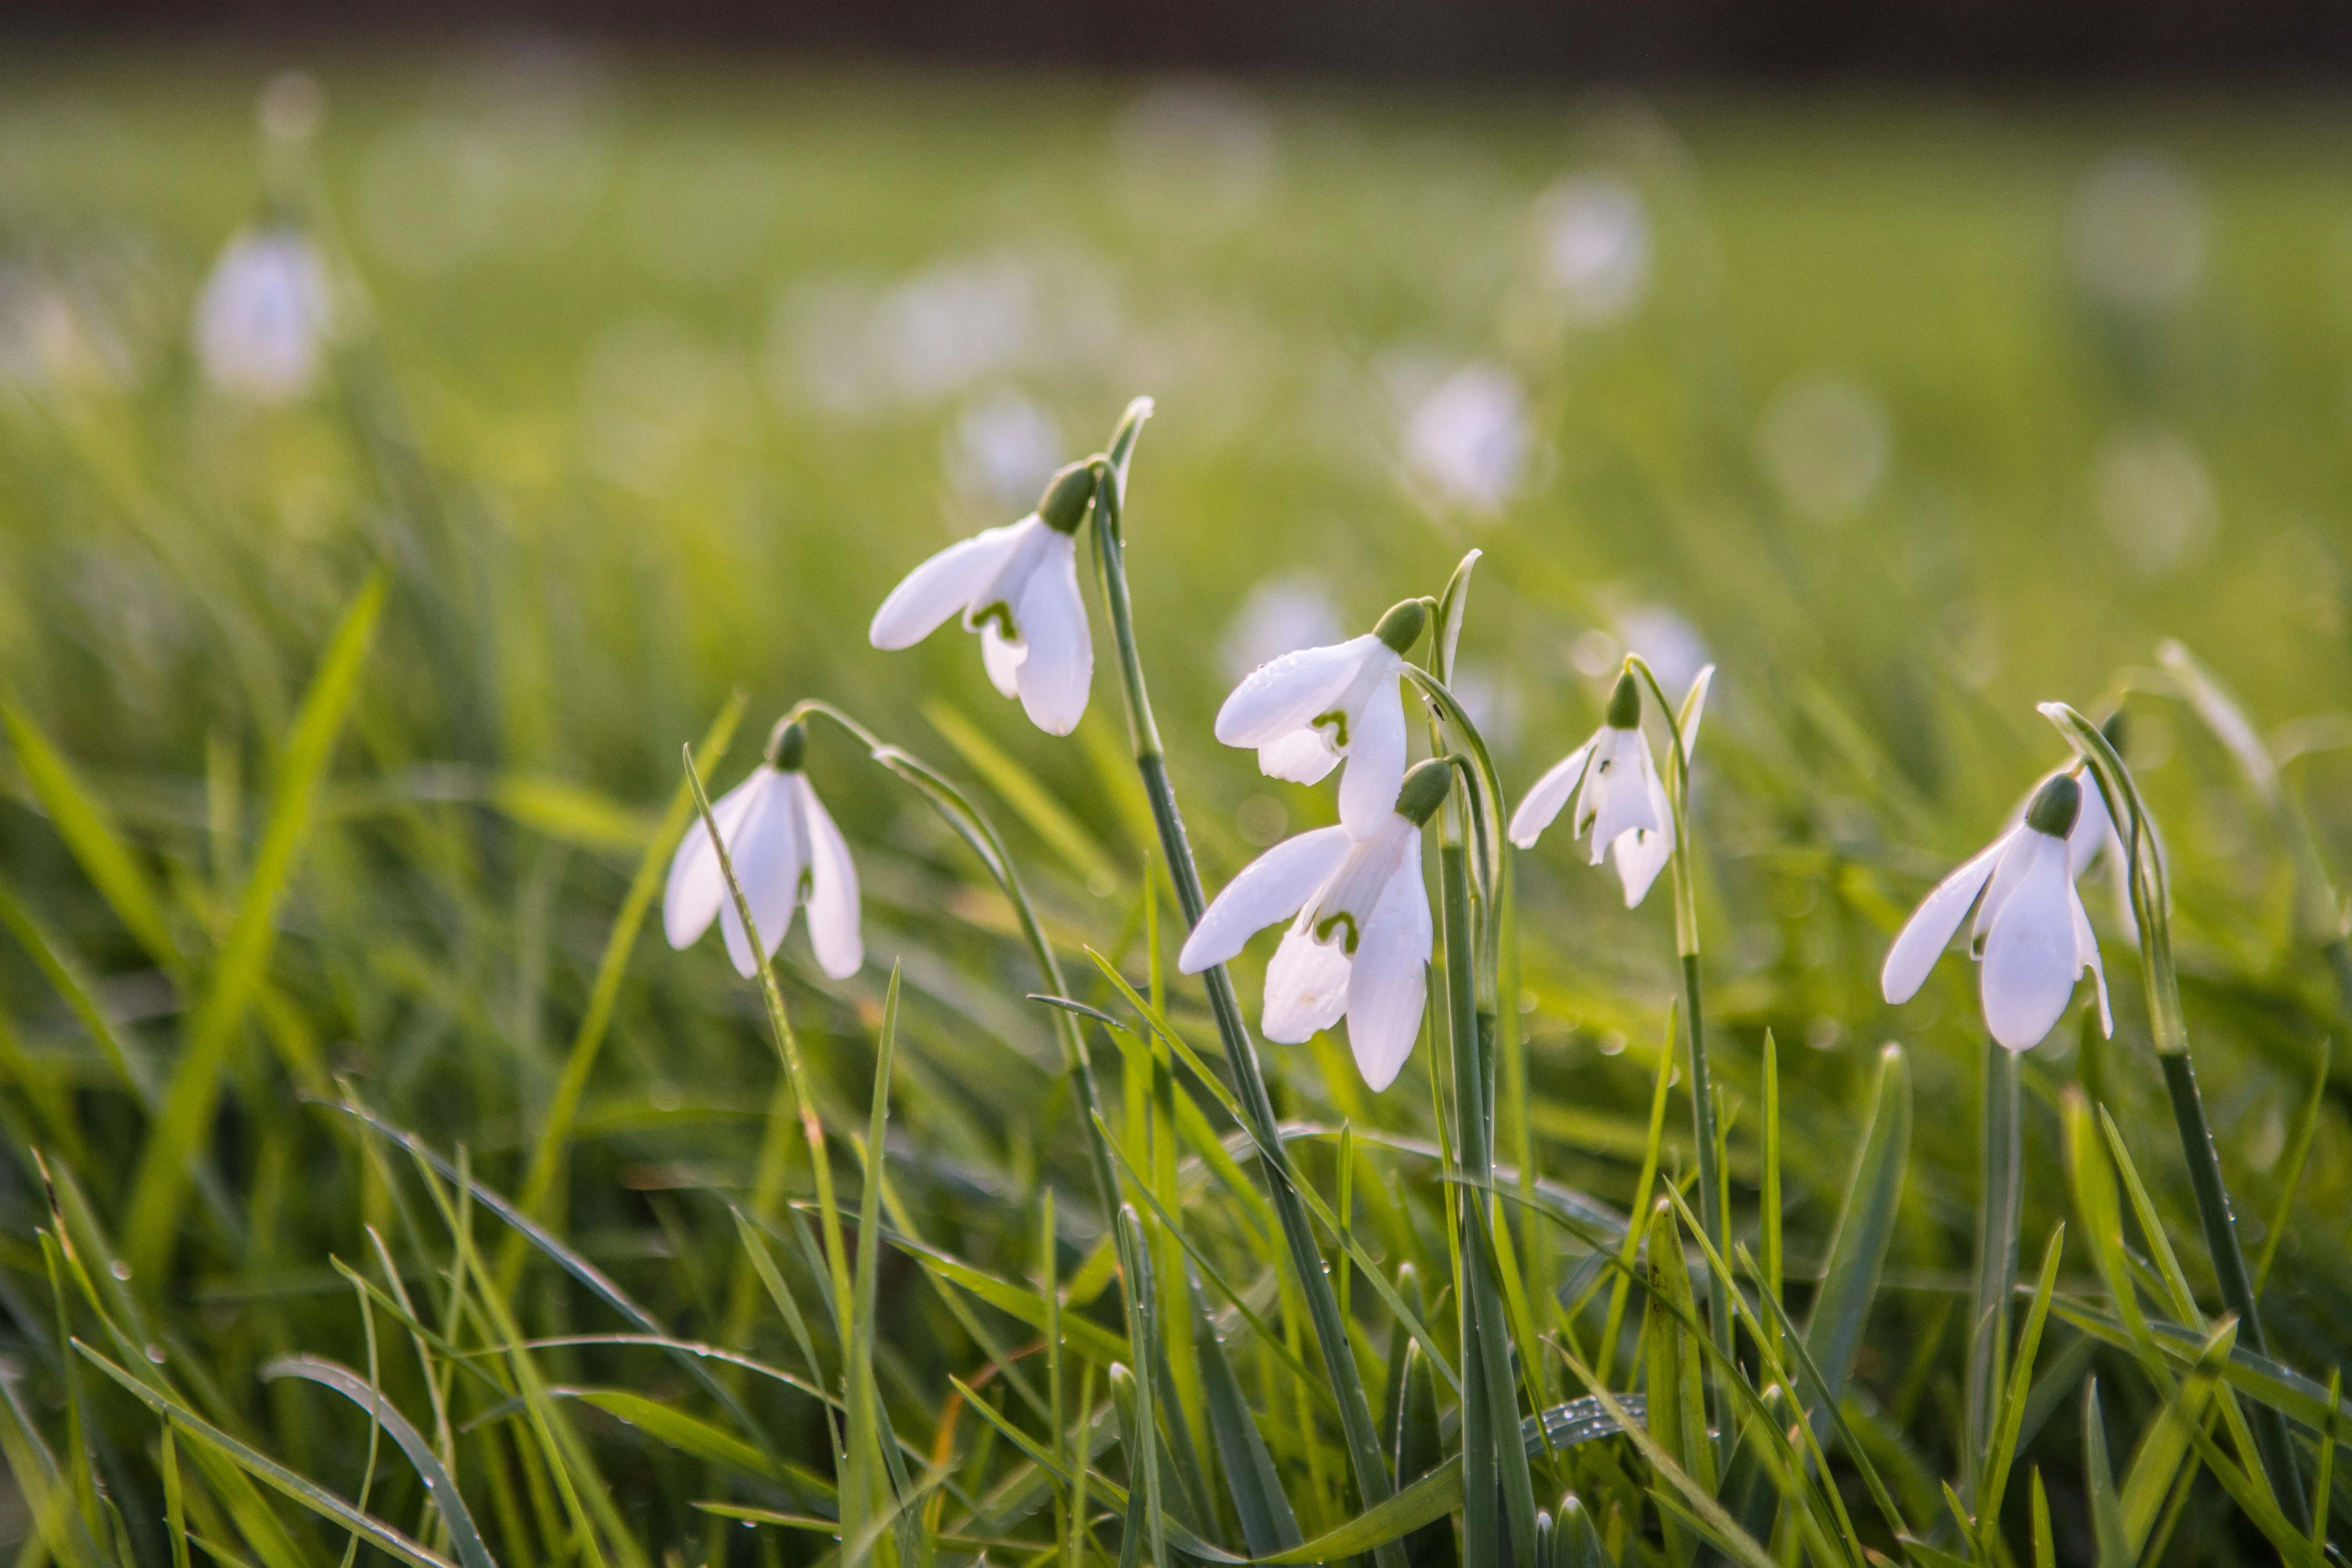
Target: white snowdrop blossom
[[1360, 933], [2093, 842], [1618, 798], [1308, 710], [1017, 587], [261, 322], [786, 852], [2030, 936]]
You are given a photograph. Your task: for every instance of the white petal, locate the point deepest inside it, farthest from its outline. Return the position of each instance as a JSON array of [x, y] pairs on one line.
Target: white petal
[[1004, 659], [2029, 961], [1548, 795], [1622, 777], [2086, 956], [1644, 853], [1303, 756], [1288, 693], [1306, 988], [1368, 793], [833, 891], [1271, 888], [941, 587], [1055, 677], [1924, 935], [770, 851], [696, 890], [1388, 988]]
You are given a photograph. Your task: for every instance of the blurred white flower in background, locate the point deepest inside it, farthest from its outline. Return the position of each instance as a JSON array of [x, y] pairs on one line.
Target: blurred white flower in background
[[2137, 233], [43, 342], [854, 348], [2155, 498], [1194, 154], [1001, 450], [1827, 445], [1468, 437], [1282, 614], [262, 320], [1672, 646], [1596, 246], [1490, 695]]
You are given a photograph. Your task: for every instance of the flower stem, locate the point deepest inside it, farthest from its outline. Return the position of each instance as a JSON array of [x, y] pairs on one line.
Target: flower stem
[[956, 809], [2152, 907], [1373, 1483], [1998, 1197]]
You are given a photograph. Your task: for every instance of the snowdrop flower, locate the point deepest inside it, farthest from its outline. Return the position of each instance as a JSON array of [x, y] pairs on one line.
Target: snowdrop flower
[[1359, 929], [786, 852], [2031, 932], [2094, 841], [1306, 710], [1017, 587], [261, 322], [1619, 799]]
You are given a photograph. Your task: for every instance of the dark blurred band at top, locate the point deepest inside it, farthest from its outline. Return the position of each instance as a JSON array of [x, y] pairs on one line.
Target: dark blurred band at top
[[2187, 41]]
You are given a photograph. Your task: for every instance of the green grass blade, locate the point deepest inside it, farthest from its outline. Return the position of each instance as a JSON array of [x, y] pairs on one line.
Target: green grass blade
[[88, 829], [176, 1140], [2006, 1426], [1865, 1229], [439, 1485], [1259, 1502], [563, 1105], [2111, 1540]]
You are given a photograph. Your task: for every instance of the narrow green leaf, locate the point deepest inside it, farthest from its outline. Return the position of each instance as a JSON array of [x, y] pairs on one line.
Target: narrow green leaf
[[2108, 1534], [176, 1140], [1259, 1502], [86, 825], [1865, 1229], [438, 1484]]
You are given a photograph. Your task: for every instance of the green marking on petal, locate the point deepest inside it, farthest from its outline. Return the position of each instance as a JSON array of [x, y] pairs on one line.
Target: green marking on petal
[[1324, 927], [1336, 721], [998, 612]]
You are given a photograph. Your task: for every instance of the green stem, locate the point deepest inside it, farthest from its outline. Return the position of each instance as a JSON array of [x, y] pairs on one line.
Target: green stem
[[1373, 1483], [1998, 1195], [1710, 1185], [2271, 1440], [956, 809]]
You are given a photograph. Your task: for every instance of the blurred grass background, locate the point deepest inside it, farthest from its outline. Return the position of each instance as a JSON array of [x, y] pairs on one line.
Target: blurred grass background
[[1909, 411]]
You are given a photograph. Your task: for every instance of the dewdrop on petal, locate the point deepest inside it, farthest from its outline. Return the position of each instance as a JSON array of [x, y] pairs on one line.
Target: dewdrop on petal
[[1306, 711], [786, 852], [1620, 801], [1360, 936], [262, 321], [2032, 938], [1017, 587]]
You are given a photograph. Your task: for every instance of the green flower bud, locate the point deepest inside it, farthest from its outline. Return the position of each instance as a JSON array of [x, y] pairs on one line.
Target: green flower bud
[[2055, 807], [787, 746], [1625, 704], [1067, 494], [1401, 626], [1424, 790]]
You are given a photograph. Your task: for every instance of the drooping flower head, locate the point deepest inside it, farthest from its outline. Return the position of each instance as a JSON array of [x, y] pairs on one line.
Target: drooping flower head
[[786, 852], [261, 322], [1306, 711], [1017, 587], [1619, 800], [2032, 938], [1360, 933]]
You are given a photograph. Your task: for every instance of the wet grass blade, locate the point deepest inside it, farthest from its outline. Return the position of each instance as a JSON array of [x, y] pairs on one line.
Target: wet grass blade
[[1865, 1229], [2108, 1533], [439, 1486], [88, 829], [1259, 1502]]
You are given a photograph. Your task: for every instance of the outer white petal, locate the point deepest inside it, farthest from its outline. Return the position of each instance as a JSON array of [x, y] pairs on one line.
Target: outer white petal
[[833, 889], [2029, 961], [941, 587], [1060, 670], [1271, 888], [1286, 694], [1306, 988], [1003, 660], [2086, 956], [696, 889], [1388, 990], [1302, 756], [1644, 853], [1547, 795], [1368, 792], [1624, 778], [769, 852], [1924, 935]]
